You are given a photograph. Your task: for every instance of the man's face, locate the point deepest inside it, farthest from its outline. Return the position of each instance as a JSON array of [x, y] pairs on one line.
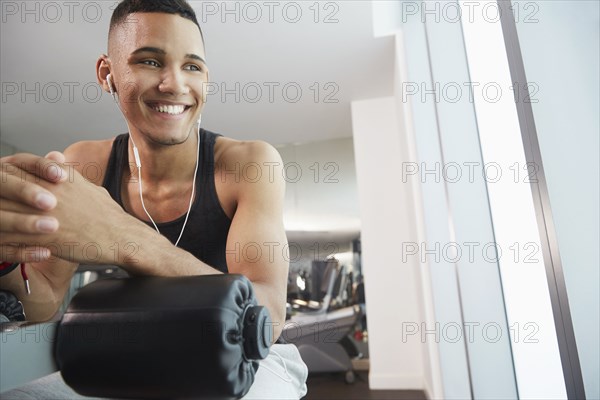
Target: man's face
[[157, 65]]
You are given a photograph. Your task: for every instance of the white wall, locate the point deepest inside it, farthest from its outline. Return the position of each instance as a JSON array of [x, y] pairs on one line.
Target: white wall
[[392, 288], [432, 368], [561, 56], [321, 192], [466, 282], [538, 368]]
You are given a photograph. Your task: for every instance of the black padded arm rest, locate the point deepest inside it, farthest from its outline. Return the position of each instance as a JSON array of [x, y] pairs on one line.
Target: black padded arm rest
[[168, 338]]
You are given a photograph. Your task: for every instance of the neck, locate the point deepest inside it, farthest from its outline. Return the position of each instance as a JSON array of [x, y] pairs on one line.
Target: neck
[[165, 163]]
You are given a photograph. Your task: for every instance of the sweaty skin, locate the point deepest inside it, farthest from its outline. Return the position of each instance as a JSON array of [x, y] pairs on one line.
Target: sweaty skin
[[154, 60]]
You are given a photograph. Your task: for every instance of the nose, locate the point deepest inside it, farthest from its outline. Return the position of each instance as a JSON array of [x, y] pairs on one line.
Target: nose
[[173, 82]]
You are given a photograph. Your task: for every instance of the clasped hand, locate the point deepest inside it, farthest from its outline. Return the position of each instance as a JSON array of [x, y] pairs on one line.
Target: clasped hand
[[50, 210]]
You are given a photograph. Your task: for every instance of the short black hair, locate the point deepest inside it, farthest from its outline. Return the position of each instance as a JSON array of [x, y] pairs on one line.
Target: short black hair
[[179, 7]]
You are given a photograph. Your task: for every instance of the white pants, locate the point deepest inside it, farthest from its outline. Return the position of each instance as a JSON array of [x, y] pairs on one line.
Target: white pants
[[282, 375]]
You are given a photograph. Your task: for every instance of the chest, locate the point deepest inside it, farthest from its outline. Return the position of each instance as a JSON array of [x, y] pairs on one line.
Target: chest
[[168, 203]]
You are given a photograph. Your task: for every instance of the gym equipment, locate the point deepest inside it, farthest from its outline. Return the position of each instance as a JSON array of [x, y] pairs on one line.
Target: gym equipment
[[319, 330], [155, 337]]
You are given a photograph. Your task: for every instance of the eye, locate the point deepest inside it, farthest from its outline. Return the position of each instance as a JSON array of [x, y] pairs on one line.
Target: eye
[[151, 63], [194, 67]]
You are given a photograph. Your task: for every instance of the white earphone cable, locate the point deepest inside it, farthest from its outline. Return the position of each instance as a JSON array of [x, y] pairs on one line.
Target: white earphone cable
[[286, 378], [193, 186]]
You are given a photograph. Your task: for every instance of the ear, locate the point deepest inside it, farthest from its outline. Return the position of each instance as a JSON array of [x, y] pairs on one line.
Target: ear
[[102, 70]]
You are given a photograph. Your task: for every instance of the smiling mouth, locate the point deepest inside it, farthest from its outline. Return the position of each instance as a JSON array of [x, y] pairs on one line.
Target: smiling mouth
[[169, 108]]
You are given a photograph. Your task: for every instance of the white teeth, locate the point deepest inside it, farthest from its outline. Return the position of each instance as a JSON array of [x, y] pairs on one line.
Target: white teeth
[[169, 109]]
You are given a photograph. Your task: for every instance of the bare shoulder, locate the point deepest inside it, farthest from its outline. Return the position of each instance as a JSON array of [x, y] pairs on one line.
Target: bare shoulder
[[229, 151], [249, 165], [90, 158]]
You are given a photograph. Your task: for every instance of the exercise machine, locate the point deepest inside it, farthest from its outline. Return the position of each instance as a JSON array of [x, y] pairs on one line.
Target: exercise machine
[[319, 328], [147, 337]]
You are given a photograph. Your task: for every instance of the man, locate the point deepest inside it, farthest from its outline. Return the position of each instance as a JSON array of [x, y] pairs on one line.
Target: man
[[156, 69]]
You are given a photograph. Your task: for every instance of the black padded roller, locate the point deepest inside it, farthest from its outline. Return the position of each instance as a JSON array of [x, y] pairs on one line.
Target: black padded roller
[[175, 338]]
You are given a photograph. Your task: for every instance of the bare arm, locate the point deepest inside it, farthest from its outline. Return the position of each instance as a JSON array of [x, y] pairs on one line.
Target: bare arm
[[48, 279], [87, 214], [256, 244]]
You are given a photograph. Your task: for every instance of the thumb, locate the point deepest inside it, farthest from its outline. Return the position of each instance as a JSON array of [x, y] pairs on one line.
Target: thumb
[[56, 156]]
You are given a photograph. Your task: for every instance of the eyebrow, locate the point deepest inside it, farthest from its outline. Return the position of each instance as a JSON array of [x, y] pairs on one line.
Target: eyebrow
[[157, 50]]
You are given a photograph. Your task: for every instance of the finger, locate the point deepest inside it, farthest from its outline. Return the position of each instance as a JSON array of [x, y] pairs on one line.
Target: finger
[[20, 190], [10, 205], [23, 254], [56, 156], [41, 167], [22, 223]]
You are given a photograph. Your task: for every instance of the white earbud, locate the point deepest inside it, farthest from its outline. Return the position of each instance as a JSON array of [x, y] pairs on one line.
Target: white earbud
[[136, 155], [110, 86]]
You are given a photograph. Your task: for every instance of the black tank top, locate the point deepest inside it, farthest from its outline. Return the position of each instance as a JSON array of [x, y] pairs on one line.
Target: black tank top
[[205, 234]]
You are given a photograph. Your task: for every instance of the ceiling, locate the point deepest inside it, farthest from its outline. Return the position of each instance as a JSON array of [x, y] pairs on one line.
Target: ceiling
[[50, 98]]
